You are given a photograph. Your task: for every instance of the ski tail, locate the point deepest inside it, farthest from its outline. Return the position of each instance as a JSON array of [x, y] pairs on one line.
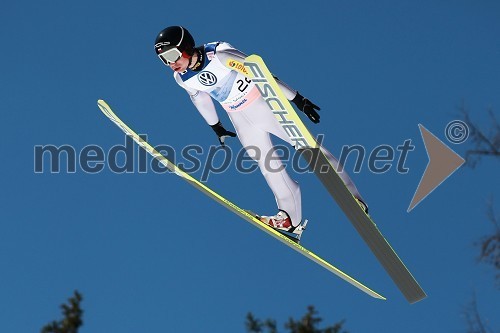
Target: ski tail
[[257, 70], [363, 224]]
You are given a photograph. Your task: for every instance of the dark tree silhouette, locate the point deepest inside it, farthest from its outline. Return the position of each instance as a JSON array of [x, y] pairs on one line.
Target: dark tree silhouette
[[485, 142], [475, 323], [490, 244], [72, 317], [307, 324]]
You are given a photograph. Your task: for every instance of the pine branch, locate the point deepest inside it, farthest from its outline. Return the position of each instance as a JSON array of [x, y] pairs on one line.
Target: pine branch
[[307, 324], [490, 244], [485, 144], [72, 320], [474, 321]]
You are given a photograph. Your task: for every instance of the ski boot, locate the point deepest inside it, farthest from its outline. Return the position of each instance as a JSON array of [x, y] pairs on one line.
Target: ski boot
[[282, 223], [363, 205]]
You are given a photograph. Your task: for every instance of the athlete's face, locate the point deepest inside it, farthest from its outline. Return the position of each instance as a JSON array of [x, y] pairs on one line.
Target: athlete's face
[[180, 65]]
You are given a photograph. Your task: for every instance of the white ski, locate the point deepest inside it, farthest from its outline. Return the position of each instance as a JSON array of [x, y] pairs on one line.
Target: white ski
[[254, 68], [105, 108]]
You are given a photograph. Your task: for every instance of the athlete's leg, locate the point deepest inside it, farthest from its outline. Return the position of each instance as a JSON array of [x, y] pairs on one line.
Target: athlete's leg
[[286, 190]]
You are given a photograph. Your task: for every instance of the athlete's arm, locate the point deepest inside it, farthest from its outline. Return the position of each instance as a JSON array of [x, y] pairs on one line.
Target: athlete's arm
[[205, 106], [202, 101]]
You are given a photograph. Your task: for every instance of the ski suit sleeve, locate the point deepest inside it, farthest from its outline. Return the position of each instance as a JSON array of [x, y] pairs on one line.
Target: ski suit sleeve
[[202, 101], [225, 52]]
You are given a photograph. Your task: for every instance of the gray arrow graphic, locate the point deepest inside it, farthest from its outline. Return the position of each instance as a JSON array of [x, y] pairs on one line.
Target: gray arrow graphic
[[442, 163]]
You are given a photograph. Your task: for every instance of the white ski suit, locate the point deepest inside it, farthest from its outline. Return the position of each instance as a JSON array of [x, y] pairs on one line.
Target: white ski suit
[[251, 118]]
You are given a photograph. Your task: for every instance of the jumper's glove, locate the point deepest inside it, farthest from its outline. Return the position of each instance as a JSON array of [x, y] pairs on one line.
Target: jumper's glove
[[221, 132], [308, 107]]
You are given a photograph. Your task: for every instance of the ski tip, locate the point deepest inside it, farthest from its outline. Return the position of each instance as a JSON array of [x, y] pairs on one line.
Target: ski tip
[[102, 106], [254, 57], [105, 108]]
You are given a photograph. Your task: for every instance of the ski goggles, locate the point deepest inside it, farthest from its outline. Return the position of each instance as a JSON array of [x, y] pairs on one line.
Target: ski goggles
[[170, 56]]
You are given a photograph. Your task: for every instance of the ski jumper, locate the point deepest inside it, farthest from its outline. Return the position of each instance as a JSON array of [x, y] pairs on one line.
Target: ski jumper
[[251, 118]]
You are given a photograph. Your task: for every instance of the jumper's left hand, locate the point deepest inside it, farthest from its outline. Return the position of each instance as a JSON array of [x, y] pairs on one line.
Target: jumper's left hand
[[308, 107], [222, 133]]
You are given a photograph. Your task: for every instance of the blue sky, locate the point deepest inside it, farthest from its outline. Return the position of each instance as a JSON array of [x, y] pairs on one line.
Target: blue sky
[[150, 253]]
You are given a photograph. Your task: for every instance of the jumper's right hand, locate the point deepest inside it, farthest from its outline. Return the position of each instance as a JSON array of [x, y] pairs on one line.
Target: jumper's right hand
[[308, 107], [222, 133]]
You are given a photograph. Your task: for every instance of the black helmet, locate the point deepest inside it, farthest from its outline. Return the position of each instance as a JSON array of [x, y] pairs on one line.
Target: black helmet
[[174, 42]]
